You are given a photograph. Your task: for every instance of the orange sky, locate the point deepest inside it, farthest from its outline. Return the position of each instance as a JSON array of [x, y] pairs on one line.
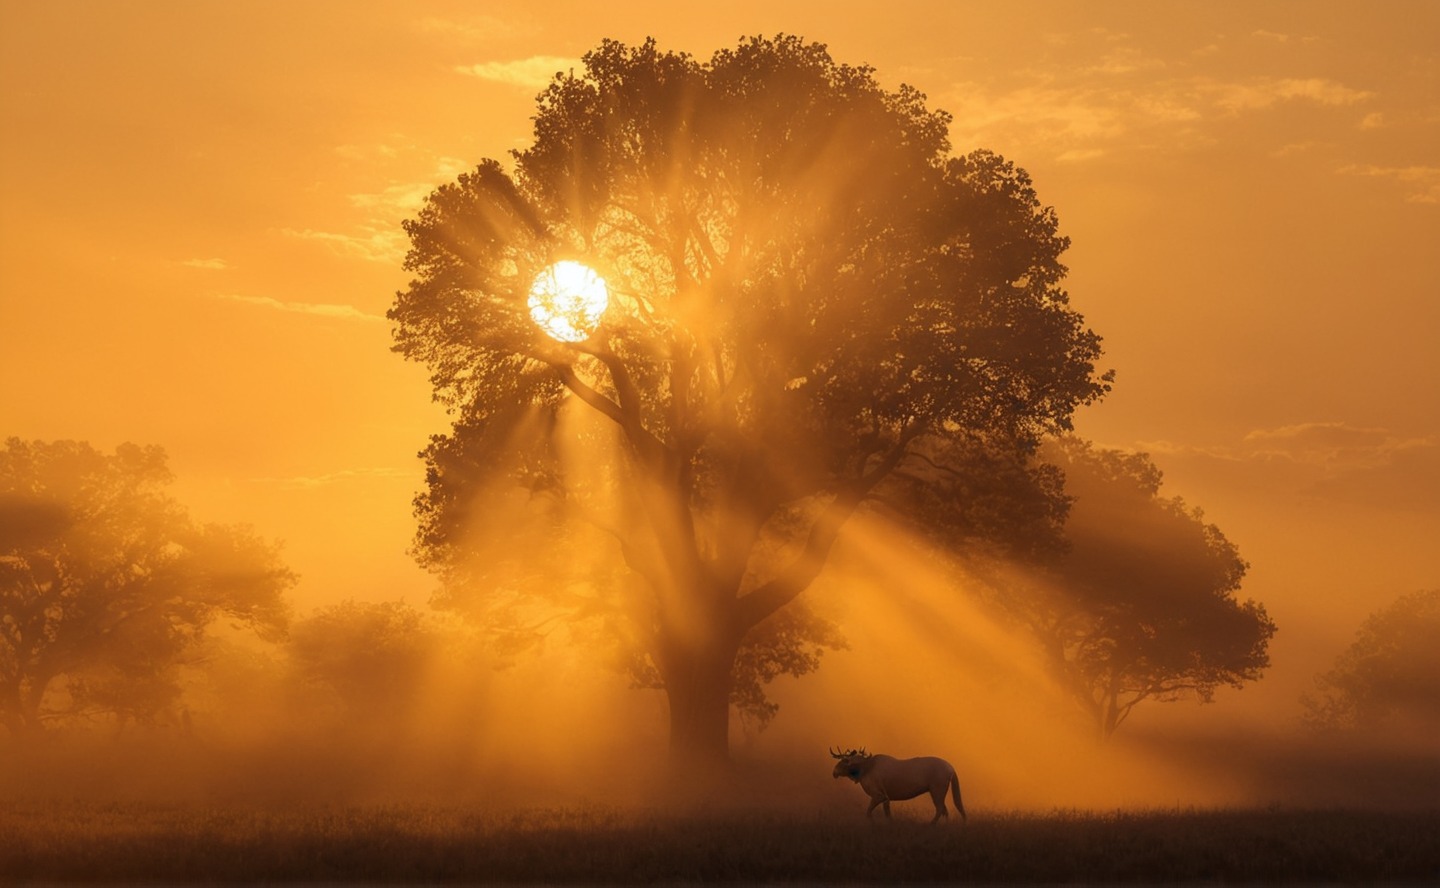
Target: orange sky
[[199, 208]]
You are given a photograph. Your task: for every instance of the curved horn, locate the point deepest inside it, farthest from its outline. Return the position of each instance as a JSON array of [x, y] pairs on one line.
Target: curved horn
[[834, 754]]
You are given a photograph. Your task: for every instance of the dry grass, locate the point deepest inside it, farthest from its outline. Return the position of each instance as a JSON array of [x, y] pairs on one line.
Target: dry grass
[[134, 842]]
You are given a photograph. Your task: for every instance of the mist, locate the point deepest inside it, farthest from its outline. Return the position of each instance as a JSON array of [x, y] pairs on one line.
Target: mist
[[486, 625], [404, 704]]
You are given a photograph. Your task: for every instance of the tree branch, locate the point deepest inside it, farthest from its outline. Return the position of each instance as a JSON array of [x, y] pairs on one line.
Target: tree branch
[[806, 566], [587, 393]]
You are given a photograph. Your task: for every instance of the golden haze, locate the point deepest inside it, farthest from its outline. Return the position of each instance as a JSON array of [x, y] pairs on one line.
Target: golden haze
[[199, 238]]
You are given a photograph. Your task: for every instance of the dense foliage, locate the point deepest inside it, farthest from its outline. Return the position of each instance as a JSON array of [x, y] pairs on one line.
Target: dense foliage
[[1140, 602], [1389, 676], [812, 301], [107, 584]]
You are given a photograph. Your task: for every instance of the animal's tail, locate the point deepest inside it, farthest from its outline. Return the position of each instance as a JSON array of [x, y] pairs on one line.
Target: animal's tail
[[955, 791]]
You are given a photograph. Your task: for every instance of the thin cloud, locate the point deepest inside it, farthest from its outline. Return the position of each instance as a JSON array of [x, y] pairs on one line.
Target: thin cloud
[[1421, 183], [310, 482], [1126, 61], [1333, 461], [206, 264], [1325, 448], [404, 198], [1330, 445], [1079, 155], [1259, 94], [476, 28], [376, 245], [1057, 114], [327, 310], [1114, 105], [534, 72], [1373, 466], [1294, 148], [1276, 37], [382, 150]]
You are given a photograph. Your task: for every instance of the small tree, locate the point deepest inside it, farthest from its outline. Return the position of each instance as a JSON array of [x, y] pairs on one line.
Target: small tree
[[370, 655], [1389, 675], [106, 583], [1141, 603], [811, 297]]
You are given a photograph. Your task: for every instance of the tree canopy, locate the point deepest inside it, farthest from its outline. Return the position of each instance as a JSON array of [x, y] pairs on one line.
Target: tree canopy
[[812, 301], [1140, 604], [1390, 673], [106, 582], [371, 656]]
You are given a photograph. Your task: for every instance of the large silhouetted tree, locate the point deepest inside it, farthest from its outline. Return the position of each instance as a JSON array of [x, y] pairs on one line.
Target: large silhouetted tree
[[1140, 605], [812, 302], [1390, 674], [106, 583]]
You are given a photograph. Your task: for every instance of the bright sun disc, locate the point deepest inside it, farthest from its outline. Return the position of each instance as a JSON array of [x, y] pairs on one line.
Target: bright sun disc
[[567, 300]]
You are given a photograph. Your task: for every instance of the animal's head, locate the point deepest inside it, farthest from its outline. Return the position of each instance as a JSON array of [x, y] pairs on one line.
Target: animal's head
[[850, 763]]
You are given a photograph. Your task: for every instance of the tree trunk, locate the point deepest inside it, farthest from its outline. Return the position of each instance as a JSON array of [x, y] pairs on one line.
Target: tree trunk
[[20, 709], [697, 687], [10, 707], [10, 720], [1107, 721]]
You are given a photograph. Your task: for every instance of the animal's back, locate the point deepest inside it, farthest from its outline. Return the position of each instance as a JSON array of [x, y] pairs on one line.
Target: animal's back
[[908, 778]]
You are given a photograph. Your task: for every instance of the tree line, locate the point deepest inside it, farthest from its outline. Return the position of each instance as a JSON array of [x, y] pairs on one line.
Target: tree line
[[112, 597]]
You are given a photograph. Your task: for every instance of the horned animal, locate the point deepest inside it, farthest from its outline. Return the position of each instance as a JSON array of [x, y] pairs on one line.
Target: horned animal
[[886, 779]]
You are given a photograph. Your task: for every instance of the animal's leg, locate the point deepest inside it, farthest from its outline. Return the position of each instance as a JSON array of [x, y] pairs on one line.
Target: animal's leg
[[874, 803], [887, 808], [938, 797]]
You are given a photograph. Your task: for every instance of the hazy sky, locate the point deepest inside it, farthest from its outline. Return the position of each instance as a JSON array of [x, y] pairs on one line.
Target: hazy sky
[[199, 237]]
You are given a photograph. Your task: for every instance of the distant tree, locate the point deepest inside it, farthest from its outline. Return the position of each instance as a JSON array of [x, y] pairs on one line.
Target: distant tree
[[1140, 605], [810, 299], [370, 655], [1390, 674], [106, 584]]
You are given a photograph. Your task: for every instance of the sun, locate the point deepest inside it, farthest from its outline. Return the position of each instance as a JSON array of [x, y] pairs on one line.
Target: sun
[[567, 301]]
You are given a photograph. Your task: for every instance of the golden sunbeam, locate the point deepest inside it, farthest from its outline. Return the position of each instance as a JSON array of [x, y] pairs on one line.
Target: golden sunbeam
[[567, 301]]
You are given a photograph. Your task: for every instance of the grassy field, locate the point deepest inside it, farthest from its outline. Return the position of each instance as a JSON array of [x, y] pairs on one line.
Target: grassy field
[[133, 842]]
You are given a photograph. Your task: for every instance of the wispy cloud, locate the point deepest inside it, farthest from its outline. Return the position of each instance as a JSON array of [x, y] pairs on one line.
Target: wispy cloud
[[1330, 445], [533, 72], [1294, 148], [310, 482], [403, 198], [1277, 37], [1421, 183], [1118, 102], [206, 264], [375, 244], [328, 310], [1261, 93], [1078, 155], [476, 28], [1125, 60], [1326, 460], [388, 150], [1062, 115], [1373, 466]]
